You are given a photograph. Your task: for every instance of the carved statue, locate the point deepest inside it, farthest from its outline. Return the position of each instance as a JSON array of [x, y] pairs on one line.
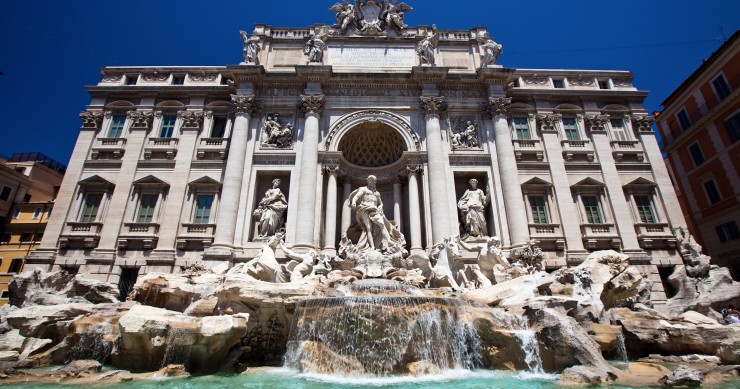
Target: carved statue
[[264, 267], [304, 265], [686, 243], [491, 260], [316, 45], [346, 15], [425, 48], [439, 259], [529, 257], [378, 233], [472, 207], [393, 14], [490, 50], [467, 138], [275, 135], [270, 211], [252, 47]]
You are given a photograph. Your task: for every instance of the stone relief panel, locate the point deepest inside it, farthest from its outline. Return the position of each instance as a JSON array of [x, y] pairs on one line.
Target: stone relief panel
[[277, 132], [464, 133]]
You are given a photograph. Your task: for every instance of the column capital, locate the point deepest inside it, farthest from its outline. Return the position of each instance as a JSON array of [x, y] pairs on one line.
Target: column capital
[[499, 105], [596, 123], [644, 123], [191, 119], [91, 119], [331, 169], [414, 169], [311, 104], [547, 122], [243, 104], [140, 119], [433, 105]]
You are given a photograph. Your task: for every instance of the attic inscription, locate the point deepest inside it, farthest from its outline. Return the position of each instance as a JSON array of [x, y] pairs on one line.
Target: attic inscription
[[372, 56]]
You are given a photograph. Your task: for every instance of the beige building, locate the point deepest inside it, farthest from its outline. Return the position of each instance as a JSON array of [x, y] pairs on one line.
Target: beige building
[[35, 179], [172, 162]]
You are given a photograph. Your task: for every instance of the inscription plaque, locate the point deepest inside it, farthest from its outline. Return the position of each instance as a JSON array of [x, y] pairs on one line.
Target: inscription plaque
[[396, 57]]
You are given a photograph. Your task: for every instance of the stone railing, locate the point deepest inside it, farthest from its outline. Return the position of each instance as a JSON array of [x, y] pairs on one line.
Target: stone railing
[[212, 148], [595, 230], [538, 230], [652, 229], [161, 148], [622, 148], [198, 234], [111, 147], [572, 148], [528, 147], [140, 229]]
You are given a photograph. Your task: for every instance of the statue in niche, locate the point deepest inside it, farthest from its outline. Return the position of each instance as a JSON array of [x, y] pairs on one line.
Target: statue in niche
[[252, 48], [346, 15], [490, 50], [301, 265], [466, 138], [472, 207], [393, 14], [378, 233], [316, 45], [275, 134], [426, 47], [271, 210]]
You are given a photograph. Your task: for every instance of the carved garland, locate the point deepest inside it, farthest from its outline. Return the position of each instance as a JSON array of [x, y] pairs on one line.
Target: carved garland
[[372, 115]]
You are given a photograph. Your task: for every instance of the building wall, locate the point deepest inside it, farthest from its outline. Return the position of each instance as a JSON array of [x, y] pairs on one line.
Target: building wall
[[708, 112], [616, 163]]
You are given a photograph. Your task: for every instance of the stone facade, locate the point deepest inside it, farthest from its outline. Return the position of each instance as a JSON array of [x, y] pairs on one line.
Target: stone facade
[[171, 162]]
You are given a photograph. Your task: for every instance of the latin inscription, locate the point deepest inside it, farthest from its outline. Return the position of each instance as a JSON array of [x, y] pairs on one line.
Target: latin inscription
[[382, 57]]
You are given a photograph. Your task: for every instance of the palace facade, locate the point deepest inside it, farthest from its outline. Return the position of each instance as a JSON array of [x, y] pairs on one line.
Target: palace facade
[[171, 163]]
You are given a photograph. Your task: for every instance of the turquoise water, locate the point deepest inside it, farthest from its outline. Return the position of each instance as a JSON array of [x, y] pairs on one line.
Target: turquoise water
[[288, 379]]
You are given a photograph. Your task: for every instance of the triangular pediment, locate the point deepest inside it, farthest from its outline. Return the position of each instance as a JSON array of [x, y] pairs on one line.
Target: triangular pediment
[[536, 181], [96, 180], [641, 182], [150, 180], [588, 182], [204, 181]]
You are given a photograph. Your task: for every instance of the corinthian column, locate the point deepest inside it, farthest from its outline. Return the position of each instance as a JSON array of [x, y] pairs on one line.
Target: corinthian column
[[330, 224], [432, 108], [306, 220], [513, 200], [346, 210], [414, 209], [233, 175]]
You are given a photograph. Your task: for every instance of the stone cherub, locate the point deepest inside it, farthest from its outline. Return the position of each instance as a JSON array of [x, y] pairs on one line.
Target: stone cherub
[[393, 14], [346, 15]]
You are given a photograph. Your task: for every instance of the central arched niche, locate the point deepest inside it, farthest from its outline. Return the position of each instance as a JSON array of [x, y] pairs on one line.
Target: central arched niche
[[372, 144]]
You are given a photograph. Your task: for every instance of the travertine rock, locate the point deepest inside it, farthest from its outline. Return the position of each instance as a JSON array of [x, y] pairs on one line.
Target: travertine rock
[[684, 376], [40, 288], [585, 375], [79, 368], [715, 290]]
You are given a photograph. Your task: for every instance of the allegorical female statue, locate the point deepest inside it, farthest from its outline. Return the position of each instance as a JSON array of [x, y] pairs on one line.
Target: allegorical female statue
[[472, 207], [270, 211]]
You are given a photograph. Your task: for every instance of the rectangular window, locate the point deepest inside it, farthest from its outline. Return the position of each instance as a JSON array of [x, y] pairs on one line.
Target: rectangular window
[[219, 127], [558, 83], [147, 204], [168, 126], [696, 154], [571, 129], [727, 231], [6, 238], [131, 80], [37, 213], [732, 126], [722, 87], [116, 126], [712, 192], [27, 237], [593, 210], [645, 209], [619, 132], [539, 209], [90, 207], [604, 84], [16, 265], [178, 80], [203, 205], [521, 128], [683, 119], [48, 212], [16, 213], [26, 198], [5, 193], [5, 295]]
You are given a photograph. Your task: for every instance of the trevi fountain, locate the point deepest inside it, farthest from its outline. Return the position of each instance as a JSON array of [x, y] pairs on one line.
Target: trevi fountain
[[469, 312]]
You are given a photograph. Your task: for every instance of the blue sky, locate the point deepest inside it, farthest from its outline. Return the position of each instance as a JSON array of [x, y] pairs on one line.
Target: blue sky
[[52, 49]]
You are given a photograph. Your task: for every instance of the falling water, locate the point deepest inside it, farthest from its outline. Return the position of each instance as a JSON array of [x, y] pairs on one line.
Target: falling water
[[380, 335], [621, 349], [95, 342], [179, 344], [519, 326]]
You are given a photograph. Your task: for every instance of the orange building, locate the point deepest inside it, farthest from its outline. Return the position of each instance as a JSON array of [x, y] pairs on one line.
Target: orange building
[[31, 182], [700, 127]]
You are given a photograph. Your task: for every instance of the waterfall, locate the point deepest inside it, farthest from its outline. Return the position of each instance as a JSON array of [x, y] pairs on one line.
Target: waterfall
[[519, 326], [621, 349], [179, 344], [381, 335], [95, 342]]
